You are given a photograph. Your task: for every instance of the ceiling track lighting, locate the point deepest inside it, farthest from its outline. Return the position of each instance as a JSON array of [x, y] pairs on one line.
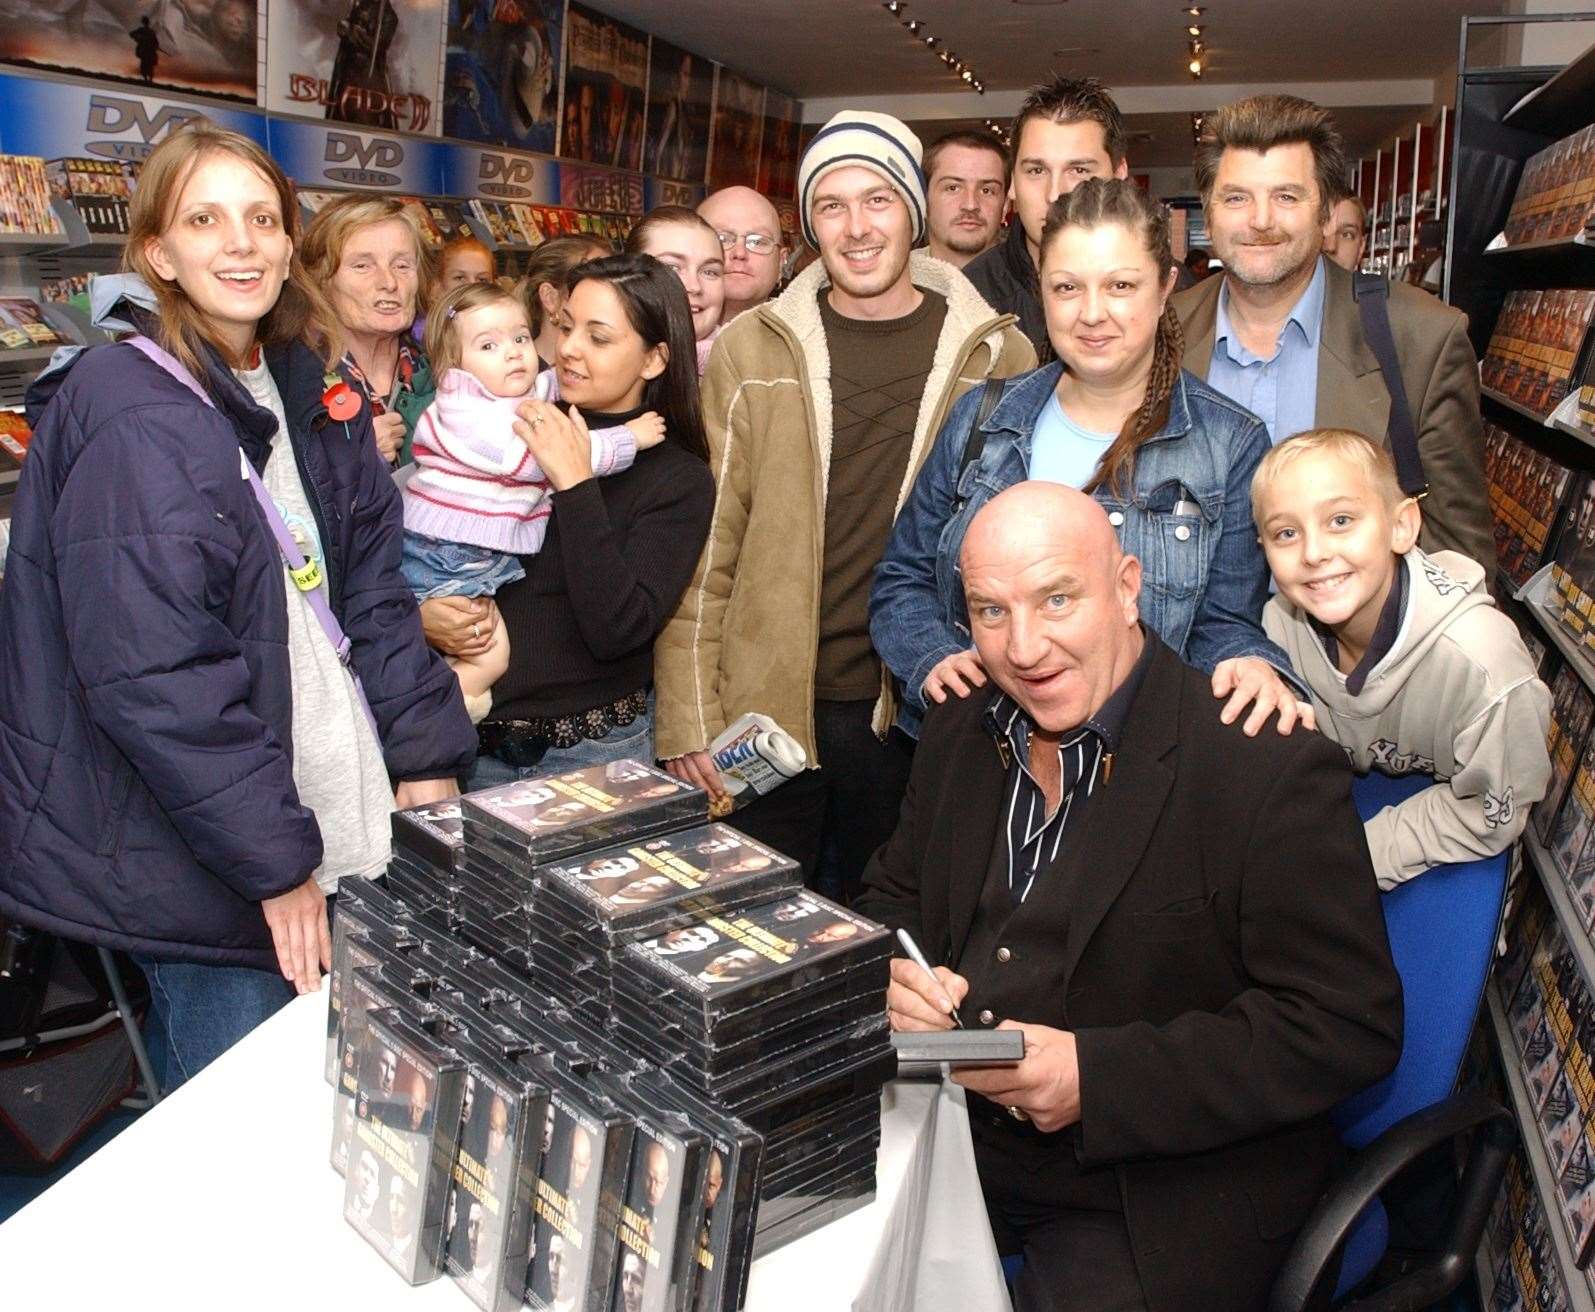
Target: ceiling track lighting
[[1195, 46], [916, 29]]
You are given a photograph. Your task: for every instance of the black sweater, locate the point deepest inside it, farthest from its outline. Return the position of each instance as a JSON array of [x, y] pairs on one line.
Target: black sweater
[[618, 555]]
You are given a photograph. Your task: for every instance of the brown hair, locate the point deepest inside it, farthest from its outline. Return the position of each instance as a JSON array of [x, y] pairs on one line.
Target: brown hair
[[466, 242], [301, 313], [1262, 122], [1369, 458], [552, 262], [662, 216], [970, 141], [442, 342], [1072, 100], [1094, 202], [339, 220]]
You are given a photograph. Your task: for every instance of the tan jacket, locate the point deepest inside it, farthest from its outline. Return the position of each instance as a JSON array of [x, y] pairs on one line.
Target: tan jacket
[[1441, 374], [746, 635]]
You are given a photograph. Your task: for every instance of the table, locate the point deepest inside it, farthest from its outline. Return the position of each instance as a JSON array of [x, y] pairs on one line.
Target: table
[[221, 1196]]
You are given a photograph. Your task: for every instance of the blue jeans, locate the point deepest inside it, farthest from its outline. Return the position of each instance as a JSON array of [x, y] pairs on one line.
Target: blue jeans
[[634, 740], [197, 1012]]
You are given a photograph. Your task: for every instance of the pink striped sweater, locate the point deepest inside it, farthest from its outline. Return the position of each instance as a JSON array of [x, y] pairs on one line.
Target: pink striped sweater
[[475, 482]]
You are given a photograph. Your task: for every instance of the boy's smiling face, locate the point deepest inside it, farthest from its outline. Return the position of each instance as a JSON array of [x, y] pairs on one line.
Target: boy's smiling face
[[1332, 542]]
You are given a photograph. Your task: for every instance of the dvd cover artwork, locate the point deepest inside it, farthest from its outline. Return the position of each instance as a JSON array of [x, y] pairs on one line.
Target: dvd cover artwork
[[728, 962], [494, 1181], [406, 1134], [366, 989], [553, 816], [661, 1215], [570, 1258]]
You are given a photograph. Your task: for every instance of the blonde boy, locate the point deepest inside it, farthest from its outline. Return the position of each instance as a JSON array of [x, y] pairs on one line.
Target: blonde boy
[[1411, 668]]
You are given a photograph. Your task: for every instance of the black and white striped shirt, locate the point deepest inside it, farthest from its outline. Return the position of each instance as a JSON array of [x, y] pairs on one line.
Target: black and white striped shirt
[[1085, 760]]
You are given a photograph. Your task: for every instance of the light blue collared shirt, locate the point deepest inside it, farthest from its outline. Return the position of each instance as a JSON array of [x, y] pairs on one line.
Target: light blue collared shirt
[[1281, 389]]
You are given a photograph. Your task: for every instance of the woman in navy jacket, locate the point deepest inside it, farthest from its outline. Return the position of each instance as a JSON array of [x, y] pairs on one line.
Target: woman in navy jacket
[[152, 653]]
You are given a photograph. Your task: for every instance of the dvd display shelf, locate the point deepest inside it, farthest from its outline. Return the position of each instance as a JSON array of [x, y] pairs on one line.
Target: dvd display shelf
[[1581, 1298]]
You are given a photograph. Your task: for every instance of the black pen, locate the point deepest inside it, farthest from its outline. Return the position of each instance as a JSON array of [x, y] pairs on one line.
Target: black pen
[[918, 958]]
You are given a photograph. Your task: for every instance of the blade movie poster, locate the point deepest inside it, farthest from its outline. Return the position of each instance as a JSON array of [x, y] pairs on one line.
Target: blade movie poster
[[501, 74], [373, 63], [606, 75], [185, 45]]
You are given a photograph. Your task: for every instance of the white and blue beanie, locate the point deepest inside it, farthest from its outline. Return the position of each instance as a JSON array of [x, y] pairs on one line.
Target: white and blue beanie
[[872, 141]]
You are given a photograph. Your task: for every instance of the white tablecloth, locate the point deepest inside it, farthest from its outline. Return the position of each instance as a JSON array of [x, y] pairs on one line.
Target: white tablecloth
[[221, 1197]]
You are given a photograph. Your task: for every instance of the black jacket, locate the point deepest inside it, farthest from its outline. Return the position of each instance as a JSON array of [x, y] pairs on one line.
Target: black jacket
[[146, 784], [1006, 276], [1224, 966]]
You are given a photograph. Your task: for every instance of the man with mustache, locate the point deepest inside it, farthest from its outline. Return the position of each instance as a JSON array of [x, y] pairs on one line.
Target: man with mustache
[[820, 407], [1281, 333]]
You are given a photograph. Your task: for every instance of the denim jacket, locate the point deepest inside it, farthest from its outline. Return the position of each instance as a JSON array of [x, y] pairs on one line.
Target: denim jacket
[[1188, 521]]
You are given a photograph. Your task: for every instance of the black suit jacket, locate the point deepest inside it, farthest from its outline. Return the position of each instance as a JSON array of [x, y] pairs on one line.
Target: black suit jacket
[[1223, 964]]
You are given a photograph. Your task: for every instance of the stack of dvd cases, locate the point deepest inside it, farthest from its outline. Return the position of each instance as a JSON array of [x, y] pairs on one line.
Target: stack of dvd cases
[[591, 1051], [774, 1014]]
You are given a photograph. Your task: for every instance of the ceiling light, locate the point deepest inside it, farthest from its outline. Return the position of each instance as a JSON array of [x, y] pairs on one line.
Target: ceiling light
[[1194, 30], [1197, 48], [913, 25], [893, 6], [1195, 11], [932, 41]]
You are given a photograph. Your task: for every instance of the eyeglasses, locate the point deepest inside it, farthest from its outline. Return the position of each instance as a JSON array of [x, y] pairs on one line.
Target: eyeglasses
[[755, 243]]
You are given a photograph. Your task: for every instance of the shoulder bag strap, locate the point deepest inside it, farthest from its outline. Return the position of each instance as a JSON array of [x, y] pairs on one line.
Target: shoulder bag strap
[[975, 440], [1372, 294], [306, 574]]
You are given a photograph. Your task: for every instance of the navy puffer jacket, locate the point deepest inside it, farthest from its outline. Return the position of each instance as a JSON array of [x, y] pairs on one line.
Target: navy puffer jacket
[[146, 790]]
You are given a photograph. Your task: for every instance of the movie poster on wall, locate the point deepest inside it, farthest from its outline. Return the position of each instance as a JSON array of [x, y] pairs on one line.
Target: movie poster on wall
[[738, 118], [501, 72], [680, 101], [606, 82], [185, 45], [778, 146], [373, 63]]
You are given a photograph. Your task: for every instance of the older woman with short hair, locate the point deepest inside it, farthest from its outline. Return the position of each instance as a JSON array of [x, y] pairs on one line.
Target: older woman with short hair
[[367, 256]]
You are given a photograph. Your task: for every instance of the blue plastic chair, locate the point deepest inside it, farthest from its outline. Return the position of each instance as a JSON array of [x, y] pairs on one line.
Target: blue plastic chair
[[1442, 927]]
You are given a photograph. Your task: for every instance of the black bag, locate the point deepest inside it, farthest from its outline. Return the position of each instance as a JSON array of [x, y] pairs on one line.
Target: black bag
[[975, 440], [65, 1060]]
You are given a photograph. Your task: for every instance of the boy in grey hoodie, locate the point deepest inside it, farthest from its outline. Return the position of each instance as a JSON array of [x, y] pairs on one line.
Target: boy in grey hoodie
[[1411, 667]]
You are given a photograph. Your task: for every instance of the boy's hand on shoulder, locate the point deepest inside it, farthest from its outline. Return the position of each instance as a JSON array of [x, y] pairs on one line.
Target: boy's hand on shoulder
[[1249, 681], [648, 429]]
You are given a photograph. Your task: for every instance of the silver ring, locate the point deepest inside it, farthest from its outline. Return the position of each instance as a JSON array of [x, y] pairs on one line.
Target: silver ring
[[1018, 1114], [476, 630], [536, 419]]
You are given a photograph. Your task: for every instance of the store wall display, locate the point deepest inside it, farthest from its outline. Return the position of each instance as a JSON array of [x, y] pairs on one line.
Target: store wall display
[[321, 156], [188, 45], [1555, 198], [374, 63], [606, 81], [25, 196], [738, 120], [680, 105], [1536, 346], [1528, 491], [501, 72], [778, 146]]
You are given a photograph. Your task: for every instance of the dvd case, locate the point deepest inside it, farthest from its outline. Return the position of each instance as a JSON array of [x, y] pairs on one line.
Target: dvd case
[[662, 1212], [554, 816], [406, 1135], [433, 834], [494, 1178]]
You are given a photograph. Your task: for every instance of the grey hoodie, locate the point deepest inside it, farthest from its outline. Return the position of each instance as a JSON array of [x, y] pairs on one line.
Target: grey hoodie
[[1456, 697]]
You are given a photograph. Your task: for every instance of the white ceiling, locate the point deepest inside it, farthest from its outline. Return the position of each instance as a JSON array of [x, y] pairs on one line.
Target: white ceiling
[[819, 50]]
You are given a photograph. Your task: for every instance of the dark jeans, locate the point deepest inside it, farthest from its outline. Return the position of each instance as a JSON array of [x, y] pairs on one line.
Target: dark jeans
[[1065, 1222], [198, 1012], [831, 820]]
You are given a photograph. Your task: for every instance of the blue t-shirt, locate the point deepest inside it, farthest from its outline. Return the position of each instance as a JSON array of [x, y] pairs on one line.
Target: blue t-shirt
[[1063, 452]]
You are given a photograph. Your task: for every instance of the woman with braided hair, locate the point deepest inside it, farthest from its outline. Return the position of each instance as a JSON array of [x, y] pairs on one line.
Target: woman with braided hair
[[1169, 459]]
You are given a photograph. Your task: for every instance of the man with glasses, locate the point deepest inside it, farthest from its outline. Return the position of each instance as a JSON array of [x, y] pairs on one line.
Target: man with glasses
[[750, 232]]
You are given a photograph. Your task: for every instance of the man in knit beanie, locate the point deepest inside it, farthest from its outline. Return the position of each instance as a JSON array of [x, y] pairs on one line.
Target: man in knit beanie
[[820, 407]]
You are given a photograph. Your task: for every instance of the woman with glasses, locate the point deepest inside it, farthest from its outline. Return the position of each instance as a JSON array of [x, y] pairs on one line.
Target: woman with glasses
[[750, 234]]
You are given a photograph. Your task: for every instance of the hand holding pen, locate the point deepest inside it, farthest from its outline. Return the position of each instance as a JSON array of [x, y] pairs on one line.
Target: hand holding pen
[[922, 997]]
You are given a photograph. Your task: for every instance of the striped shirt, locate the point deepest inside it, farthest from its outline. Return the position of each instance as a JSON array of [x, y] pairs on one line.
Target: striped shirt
[[1085, 764]]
